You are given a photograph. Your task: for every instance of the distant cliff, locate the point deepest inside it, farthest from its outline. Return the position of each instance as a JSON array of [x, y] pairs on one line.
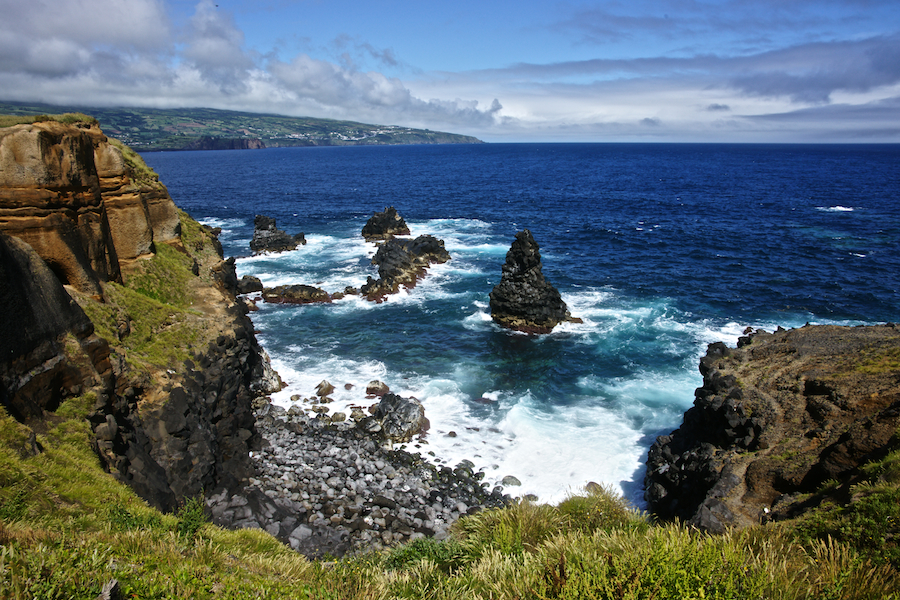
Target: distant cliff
[[147, 327]]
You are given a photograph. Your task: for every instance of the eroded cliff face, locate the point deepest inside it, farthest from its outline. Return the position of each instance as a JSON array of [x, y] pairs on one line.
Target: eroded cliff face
[[75, 211], [775, 418], [70, 194]]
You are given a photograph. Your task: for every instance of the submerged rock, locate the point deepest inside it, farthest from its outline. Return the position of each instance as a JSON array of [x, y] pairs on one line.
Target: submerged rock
[[268, 238], [385, 225], [524, 300]]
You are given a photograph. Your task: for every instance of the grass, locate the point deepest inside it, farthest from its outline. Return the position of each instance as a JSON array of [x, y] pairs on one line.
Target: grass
[[66, 528], [65, 118], [141, 174]]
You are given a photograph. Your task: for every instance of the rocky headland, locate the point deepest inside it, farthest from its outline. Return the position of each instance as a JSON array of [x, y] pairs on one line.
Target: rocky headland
[[775, 418], [524, 300], [120, 307]]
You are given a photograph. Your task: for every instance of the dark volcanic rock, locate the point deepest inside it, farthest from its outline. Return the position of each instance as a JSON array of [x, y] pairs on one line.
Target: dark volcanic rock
[[775, 418], [403, 262], [399, 418], [249, 284], [385, 225], [295, 294], [524, 300], [268, 238]]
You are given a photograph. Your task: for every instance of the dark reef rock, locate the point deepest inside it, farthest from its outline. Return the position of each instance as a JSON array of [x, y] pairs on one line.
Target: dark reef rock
[[295, 294], [249, 284], [268, 238], [403, 262], [385, 225], [775, 418], [524, 300]]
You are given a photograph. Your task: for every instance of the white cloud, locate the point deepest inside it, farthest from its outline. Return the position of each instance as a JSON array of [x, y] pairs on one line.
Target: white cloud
[[116, 52]]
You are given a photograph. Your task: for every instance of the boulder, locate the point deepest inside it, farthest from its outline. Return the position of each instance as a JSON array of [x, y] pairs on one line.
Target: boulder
[[774, 419], [397, 419], [295, 294], [249, 284], [403, 262], [524, 300], [385, 225], [377, 388], [268, 238]]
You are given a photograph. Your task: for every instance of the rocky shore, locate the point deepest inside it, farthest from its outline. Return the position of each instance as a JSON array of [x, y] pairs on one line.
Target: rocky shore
[[775, 418], [333, 488]]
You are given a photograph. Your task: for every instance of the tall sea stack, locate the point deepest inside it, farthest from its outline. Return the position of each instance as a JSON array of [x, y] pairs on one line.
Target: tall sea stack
[[524, 300]]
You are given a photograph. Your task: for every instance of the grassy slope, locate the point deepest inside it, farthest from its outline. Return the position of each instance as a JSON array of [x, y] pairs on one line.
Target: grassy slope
[[174, 129], [66, 527]]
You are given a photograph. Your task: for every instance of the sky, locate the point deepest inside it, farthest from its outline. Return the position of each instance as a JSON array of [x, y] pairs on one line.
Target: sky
[[501, 70]]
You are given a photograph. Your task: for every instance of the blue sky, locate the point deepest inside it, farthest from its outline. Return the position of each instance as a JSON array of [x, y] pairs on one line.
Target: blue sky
[[672, 70]]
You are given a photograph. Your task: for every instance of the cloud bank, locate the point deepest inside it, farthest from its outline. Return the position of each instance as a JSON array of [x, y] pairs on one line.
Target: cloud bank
[[746, 87]]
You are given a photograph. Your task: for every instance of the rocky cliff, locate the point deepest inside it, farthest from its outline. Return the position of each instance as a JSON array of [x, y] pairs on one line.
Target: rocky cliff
[[70, 194], [777, 417], [154, 337]]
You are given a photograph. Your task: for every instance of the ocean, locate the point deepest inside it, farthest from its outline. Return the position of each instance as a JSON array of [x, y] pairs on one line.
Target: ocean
[[661, 249]]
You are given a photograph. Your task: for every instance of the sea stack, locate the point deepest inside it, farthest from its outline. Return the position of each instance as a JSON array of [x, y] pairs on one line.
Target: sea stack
[[524, 300], [385, 225]]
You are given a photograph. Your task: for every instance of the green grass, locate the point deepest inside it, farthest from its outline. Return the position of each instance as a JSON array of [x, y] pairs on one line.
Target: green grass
[[65, 118], [66, 528]]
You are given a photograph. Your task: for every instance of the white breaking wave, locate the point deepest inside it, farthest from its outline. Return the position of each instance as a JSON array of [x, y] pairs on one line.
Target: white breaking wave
[[836, 208]]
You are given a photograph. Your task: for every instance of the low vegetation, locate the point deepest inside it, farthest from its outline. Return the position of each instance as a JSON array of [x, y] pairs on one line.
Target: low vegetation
[[66, 118], [66, 528]]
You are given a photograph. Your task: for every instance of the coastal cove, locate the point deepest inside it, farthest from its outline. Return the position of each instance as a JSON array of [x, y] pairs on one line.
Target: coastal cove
[[148, 449], [660, 249]]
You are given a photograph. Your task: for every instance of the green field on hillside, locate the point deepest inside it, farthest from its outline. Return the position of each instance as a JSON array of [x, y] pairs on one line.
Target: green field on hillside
[[148, 129]]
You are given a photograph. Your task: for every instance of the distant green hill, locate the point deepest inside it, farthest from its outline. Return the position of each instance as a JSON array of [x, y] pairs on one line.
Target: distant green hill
[[147, 129]]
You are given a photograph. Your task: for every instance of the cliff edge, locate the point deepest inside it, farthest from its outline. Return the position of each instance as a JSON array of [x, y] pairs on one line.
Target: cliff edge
[[115, 296], [776, 418]]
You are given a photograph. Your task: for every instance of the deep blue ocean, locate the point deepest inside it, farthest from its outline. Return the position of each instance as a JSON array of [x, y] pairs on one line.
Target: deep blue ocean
[[660, 249]]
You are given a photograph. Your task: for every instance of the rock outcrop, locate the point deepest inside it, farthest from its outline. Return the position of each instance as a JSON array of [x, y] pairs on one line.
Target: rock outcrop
[[268, 238], [385, 225], [524, 300], [71, 195], [80, 210], [214, 143], [775, 418], [295, 294], [37, 371], [403, 262]]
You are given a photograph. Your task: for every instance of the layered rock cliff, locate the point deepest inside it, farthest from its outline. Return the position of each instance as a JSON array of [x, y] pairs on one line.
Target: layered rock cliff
[[154, 338], [777, 417], [70, 194]]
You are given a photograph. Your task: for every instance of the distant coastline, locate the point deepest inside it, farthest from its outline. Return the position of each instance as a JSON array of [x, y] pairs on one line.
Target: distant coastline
[[150, 130]]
